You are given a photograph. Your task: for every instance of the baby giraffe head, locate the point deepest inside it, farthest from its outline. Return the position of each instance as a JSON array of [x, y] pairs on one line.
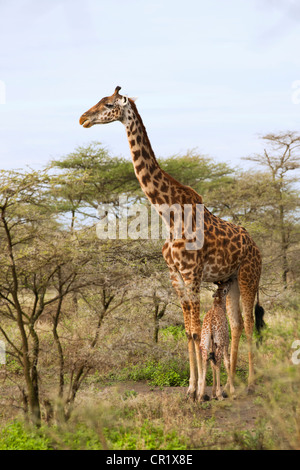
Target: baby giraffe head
[[223, 289], [109, 109]]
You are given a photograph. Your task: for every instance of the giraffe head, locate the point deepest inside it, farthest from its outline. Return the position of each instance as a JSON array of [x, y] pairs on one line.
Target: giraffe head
[[109, 109]]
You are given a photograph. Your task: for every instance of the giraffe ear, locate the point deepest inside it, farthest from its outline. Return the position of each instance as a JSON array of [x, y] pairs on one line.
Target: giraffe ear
[[226, 290], [124, 100]]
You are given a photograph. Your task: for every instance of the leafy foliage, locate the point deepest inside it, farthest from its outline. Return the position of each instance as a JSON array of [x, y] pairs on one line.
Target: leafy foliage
[[148, 437]]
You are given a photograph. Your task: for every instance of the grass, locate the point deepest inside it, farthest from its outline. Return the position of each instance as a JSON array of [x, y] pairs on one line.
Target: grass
[[85, 435], [170, 373], [16, 436], [148, 436]]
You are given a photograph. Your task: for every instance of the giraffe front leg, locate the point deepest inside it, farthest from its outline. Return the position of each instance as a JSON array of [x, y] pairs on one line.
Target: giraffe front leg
[[191, 393], [196, 335], [192, 389], [179, 287], [187, 284], [192, 294]]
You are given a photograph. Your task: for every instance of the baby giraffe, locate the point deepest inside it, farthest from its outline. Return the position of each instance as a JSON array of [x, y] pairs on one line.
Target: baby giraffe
[[215, 342]]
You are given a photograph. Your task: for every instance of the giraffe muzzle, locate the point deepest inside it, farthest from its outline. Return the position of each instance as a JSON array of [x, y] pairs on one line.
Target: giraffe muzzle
[[85, 121]]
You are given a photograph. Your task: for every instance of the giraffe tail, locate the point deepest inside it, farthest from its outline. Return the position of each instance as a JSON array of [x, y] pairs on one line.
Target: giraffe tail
[[259, 314]]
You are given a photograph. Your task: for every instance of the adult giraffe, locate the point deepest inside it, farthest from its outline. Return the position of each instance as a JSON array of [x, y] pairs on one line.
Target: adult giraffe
[[228, 250]]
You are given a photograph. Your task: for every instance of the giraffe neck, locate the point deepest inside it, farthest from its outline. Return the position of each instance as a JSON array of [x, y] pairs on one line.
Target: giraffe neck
[[158, 186]]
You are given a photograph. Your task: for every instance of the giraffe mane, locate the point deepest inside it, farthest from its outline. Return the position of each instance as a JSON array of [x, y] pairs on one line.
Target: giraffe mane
[[173, 180]]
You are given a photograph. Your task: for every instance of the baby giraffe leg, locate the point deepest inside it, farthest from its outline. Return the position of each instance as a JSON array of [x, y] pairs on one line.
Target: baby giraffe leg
[[214, 386], [205, 346], [219, 395], [202, 396]]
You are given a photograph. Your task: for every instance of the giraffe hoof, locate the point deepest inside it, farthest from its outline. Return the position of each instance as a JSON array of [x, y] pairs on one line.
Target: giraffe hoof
[[250, 390], [203, 398], [191, 395]]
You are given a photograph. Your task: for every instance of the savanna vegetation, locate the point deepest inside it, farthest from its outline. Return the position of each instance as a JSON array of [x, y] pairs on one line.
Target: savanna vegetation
[[96, 354]]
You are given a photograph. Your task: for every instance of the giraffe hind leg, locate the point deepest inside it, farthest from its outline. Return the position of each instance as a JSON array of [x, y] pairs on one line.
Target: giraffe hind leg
[[229, 374], [236, 325], [248, 277]]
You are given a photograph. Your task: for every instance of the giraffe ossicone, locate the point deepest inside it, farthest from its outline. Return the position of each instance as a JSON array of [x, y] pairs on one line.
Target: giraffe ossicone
[[228, 250]]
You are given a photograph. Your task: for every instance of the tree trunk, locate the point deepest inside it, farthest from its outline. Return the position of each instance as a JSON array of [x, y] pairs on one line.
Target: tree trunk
[[156, 325], [284, 248], [30, 371], [158, 314]]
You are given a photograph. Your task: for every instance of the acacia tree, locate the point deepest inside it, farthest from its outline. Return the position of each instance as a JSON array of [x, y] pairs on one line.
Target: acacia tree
[[200, 172], [19, 227], [90, 176], [280, 158], [40, 267], [266, 202], [35, 257]]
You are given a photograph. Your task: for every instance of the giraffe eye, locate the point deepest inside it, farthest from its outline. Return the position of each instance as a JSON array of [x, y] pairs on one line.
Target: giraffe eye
[[109, 106]]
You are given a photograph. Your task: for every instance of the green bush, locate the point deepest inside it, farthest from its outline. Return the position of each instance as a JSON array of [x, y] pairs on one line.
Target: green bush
[[175, 331], [16, 436], [170, 373], [160, 374]]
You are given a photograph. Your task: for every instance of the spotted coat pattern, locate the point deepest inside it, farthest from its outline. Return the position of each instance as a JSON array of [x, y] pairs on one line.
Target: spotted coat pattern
[[214, 342], [228, 250]]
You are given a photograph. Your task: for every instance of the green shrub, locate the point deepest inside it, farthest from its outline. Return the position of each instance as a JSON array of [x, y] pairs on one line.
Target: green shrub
[[160, 374], [175, 331], [16, 436]]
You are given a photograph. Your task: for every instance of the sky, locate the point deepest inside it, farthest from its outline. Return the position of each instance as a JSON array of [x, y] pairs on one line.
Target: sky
[[211, 76]]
